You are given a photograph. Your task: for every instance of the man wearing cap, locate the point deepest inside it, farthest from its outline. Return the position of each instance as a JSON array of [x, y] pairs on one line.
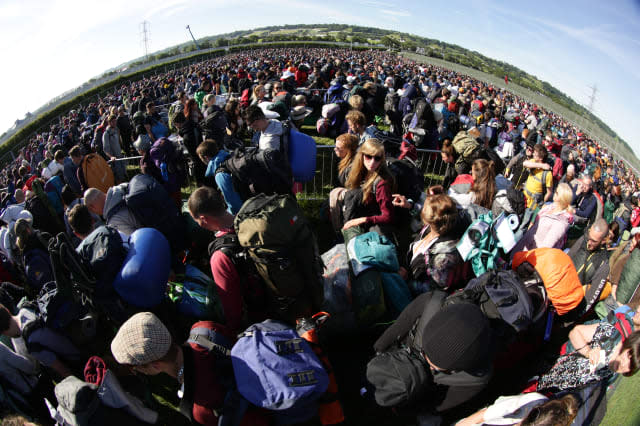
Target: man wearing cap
[[270, 136], [455, 341], [144, 344]]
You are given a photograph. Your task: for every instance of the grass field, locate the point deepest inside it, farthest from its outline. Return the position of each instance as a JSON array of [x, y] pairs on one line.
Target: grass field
[[623, 407]]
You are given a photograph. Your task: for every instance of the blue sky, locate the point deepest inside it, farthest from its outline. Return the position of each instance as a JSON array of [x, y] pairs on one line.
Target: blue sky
[[52, 46]]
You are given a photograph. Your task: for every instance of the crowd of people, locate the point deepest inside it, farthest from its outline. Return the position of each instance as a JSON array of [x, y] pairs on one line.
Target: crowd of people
[[523, 259]]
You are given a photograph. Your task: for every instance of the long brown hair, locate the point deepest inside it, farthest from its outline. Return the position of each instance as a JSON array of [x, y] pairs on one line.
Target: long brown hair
[[351, 145], [358, 175], [484, 182]]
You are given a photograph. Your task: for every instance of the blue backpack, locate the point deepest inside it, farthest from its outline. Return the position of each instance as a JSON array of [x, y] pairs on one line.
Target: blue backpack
[[276, 369], [37, 267]]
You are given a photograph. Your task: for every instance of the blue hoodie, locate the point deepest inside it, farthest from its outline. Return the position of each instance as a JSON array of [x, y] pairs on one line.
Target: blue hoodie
[[224, 182]]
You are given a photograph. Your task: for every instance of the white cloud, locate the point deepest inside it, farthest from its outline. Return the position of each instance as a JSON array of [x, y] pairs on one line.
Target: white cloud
[[395, 12]]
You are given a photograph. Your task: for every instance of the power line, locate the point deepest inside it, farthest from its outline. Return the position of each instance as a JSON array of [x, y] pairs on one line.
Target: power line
[[145, 37]]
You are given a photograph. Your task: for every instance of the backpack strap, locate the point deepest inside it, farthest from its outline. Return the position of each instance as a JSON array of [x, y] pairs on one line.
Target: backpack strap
[[430, 309], [201, 337]]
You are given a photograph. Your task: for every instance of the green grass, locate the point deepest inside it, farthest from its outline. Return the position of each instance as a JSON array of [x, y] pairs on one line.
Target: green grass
[[623, 407]]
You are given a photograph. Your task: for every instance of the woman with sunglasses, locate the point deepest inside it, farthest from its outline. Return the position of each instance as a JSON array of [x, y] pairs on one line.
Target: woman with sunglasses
[[370, 175]]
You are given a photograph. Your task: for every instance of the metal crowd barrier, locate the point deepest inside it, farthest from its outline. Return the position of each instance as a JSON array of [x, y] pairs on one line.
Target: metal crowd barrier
[[429, 161]]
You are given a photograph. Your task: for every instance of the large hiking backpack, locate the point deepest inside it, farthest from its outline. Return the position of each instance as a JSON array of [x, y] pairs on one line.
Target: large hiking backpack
[[214, 125], [257, 171], [37, 268], [276, 369], [142, 279], [45, 218], [53, 308], [399, 377], [518, 174], [94, 172], [281, 243], [169, 159], [467, 149], [503, 299], [490, 155], [153, 208], [103, 254]]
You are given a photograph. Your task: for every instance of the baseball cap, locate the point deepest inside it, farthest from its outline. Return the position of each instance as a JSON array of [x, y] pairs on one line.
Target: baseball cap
[[142, 339]]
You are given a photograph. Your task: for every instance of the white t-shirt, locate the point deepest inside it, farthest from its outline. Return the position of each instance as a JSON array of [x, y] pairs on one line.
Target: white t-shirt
[[270, 138]]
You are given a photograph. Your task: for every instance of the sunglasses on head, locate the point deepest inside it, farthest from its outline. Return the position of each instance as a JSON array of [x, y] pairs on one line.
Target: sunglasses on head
[[375, 157]]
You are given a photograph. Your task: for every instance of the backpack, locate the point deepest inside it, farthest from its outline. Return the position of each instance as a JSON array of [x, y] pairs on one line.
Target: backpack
[[277, 370], [103, 254], [509, 200], [503, 299], [466, 147], [519, 174], [391, 103], [257, 171], [329, 409], [153, 208], [196, 296], [483, 240], [37, 266], [53, 309], [399, 377], [94, 172], [490, 155], [214, 125], [408, 177], [159, 129], [281, 243], [168, 158], [45, 218]]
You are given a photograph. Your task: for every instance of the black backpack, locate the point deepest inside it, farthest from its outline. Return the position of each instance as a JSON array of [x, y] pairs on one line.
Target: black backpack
[[53, 308], [214, 125], [504, 300], [490, 155], [153, 208], [103, 255], [399, 377], [257, 171], [409, 180]]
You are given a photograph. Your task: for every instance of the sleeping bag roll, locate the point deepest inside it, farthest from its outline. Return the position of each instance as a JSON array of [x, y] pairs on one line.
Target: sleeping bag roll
[[302, 156], [142, 280]]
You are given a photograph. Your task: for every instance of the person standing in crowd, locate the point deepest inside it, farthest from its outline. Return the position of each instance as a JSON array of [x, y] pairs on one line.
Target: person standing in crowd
[[111, 147]]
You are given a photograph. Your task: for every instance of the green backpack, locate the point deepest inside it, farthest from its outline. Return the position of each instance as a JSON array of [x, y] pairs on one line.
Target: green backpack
[[480, 245], [466, 147], [280, 241]]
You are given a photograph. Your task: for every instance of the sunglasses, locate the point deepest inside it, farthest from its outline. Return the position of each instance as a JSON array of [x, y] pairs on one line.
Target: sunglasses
[[375, 157]]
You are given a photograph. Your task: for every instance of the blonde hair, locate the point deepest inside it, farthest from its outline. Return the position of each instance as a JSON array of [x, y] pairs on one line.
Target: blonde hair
[[356, 102], [563, 196], [359, 176]]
